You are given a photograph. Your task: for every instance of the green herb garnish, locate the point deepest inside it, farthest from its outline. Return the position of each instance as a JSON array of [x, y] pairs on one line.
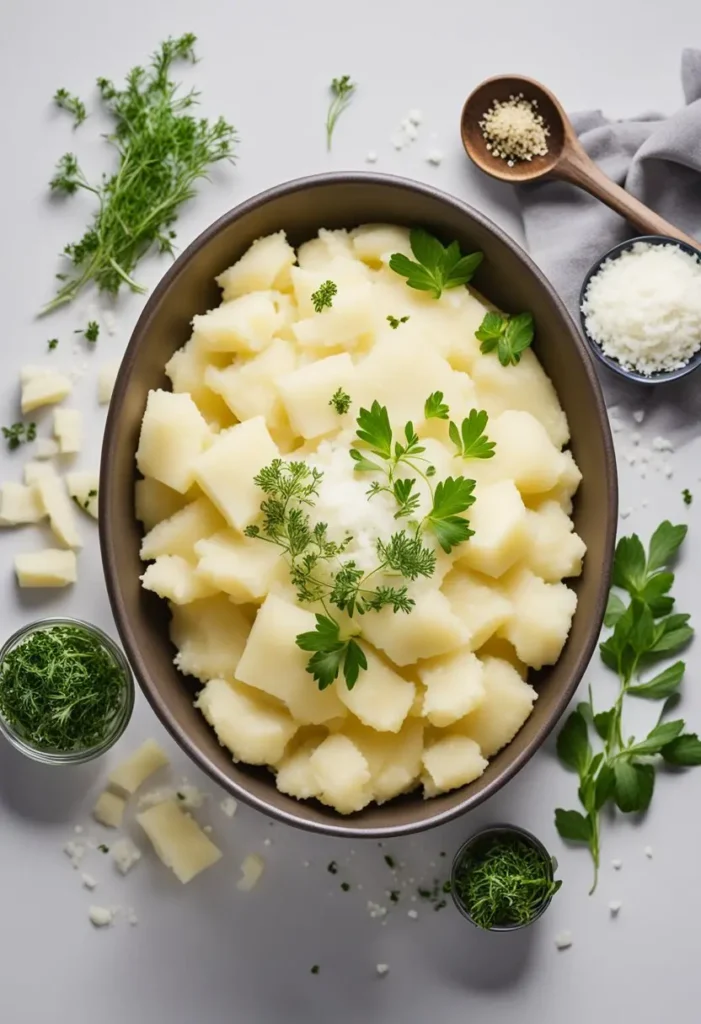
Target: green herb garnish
[[341, 401], [434, 407], [91, 332], [103, 848], [331, 652], [643, 631], [75, 106], [504, 881], [509, 335], [394, 896], [470, 439], [345, 886], [315, 969], [390, 862], [323, 296], [162, 152], [342, 90], [394, 321], [437, 267], [687, 496], [18, 433], [60, 689], [332, 867], [52, 343]]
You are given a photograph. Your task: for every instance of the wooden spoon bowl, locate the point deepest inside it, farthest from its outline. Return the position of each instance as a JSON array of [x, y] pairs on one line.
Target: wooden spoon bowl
[[565, 160]]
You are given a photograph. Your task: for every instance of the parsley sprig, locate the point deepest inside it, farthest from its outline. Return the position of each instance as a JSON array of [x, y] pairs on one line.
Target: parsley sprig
[[436, 267], [324, 295], [342, 89], [470, 439], [341, 401], [643, 630], [508, 335]]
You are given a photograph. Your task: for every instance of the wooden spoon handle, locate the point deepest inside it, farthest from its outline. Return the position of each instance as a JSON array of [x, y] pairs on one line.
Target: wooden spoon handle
[[578, 169]]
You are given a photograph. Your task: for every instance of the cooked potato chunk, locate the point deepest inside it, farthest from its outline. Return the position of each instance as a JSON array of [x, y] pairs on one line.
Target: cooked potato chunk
[[380, 698], [68, 430], [173, 434], [342, 774], [139, 766], [47, 568], [252, 731], [429, 630], [250, 388], [540, 620], [374, 244], [553, 551], [449, 762], [507, 703], [178, 840], [153, 501], [348, 324], [83, 489], [265, 265], [176, 579], [243, 325], [242, 567], [306, 394], [498, 518], [524, 453], [453, 687], [210, 636], [178, 534], [59, 508], [19, 504], [295, 774], [478, 604]]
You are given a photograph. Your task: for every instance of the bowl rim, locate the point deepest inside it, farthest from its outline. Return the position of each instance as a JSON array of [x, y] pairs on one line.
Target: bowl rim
[[662, 376], [109, 532]]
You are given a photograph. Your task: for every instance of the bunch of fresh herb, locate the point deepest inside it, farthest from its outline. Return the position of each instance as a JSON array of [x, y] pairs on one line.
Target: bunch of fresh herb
[[508, 335], [342, 90], [60, 689], [162, 152], [18, 433], [324, 295], [437, 267], [643, 630], [504, 881]]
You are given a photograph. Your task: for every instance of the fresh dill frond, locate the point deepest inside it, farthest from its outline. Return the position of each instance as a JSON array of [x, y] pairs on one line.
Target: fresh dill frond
[[75, 106], [342, 90]]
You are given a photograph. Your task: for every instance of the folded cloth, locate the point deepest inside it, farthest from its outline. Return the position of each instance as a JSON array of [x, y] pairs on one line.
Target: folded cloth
[[658, 160]]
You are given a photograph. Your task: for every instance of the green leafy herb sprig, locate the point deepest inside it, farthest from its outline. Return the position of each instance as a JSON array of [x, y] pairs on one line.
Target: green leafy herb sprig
[[60, 689], [162, 151], [342, 89], [91, 332], [341, 401], [644, 630], [470, 439], [509, 336], [75, 106], [436, 267], [18, 433], [323, 297]]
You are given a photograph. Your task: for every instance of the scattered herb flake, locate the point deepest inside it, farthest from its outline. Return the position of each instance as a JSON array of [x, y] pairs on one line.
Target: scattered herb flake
[[332, 868], [687, 496], [394, 321], [315, 969], [18, 433], [103, 848], [75, 106], [390, 862], [324, 295], [52, 343], [394, 896], [341, 401], [91, 332], [345, 886]]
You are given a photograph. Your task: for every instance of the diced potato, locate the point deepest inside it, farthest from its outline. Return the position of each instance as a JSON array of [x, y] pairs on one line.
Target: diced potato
[[59, 509], [173, 434], [452, 761], [272, 662], [453, 687], [394, 759], [429, 630], [326, 251], [243, 567], [306, 394], [252, 731], [210, 636], [178, 840], [381, 698], [109, 809], [226, 470], [35, 471], [460, 346], [295, 775], [348, 324], [19, 504], [252, 868], [265, 265], [45, 388], [540, 619], [524, 453], [250, 388], [342, 774], [565, 488], [68, 430], [243, 325], [173, 577], [498, 518], [46, 448], [508, 701], [106, 379], [187, 368], [374, 244], [553, 551], [345, 272], [524, 387], [83, 487], [178, 534], [153, 501], [47, 568], [480, 606], [139, 766]]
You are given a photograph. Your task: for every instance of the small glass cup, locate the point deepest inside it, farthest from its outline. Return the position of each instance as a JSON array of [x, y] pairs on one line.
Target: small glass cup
[[498, 832], [114, 727]]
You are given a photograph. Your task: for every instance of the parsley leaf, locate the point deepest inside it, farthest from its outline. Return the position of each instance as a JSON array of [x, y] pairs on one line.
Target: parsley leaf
[[323, 296], [573, 747], [573, 826], [394, 321], [331, 653], [470, 439], [452, 496], [341, 401], [437, 267], [508, 335], [342, 90], [683, 750], [407, 498], [375, 430], [434, 407]]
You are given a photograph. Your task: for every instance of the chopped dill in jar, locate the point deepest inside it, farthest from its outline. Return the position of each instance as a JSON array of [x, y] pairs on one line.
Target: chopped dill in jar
[[503, 881], [60, 689]]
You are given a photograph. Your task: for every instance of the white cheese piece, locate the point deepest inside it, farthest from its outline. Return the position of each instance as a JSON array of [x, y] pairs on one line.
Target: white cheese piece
[[106, 377], [19, 504], [229, 806], [190, 798], [130, 774], [101, 917], [45, 448], [75, 852], [109, 809], [178, 840], [125, 854], [88, 881], [251, 871], [83, 488], [59, 508], [68, 430], [47, 568], [563, 940], [44, 388]]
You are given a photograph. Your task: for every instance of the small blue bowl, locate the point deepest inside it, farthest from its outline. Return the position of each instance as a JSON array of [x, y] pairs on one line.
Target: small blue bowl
[[656, 378]]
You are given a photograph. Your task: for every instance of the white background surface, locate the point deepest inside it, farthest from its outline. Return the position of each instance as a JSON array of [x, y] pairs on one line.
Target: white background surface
[[207, 952]]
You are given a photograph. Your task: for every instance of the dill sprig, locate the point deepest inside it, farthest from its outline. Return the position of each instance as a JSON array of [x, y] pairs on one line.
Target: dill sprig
[[342, 90], [75, 106], [18, 433], [162, 152], [504, 881], [60, 689]]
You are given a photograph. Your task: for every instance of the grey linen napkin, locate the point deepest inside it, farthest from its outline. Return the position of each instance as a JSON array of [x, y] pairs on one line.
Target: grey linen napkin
[[658, 160]]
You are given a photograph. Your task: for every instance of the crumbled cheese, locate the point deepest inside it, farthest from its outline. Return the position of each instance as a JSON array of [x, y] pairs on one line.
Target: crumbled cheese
[[398, 140], [643, 307], [371, 157], [662, 444], [382, 970], [669, 472], [639, 415], [251, 871], [88, 881], [415, 116], [375, 910], [109, 809], [101, 917], [229, 806], [75, 852], [648, 852], [614, 907], [563, 940], [188, 796], [411, 131], [616, 864], [413, 914], [125, 854], [514, 130]]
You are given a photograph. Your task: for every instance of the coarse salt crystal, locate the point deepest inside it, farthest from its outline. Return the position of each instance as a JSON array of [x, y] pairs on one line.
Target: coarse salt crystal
[[648, 852], [563, 940], [382, 970], [614, 907], [371, 157], [413, 914], [617, 864], [662, 444], [415, 116], [639, 415], [435, 157]]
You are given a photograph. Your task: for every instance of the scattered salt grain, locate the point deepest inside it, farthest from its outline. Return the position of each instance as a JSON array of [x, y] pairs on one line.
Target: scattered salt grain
[[411, 131], [88, 881], [229, 806], [662, 444], [415, 116], [371, 157], [635, 438], [435, 157], [79, 830], [382, 970], [614, 907], [639, 415], [413, 914], [563, 940], [648, 852], [616, 864], [398, 140], [375, 910], [75, 852], [267, 842], [131, 917], [208, 829]]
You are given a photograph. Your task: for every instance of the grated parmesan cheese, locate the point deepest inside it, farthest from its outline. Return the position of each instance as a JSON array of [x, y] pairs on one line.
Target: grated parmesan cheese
[[514, 130], [643, 307]]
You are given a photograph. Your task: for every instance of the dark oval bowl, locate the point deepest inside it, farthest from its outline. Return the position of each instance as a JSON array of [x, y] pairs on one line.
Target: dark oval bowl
[[640, 378], [510, 279]]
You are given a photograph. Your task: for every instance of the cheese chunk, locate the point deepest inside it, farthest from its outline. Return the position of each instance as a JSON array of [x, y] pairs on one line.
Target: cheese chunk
[[173, 577], [59, 508], [178, 840], [243, 567], [83, 488], [450, 762], [306, 394], [508, 702], [226, 471], [210, 636], [68, 430], [453, 685], [35, 471], [109, 809], [253, 731], [173, 434], [19, 504], [44, 388], [265, 265], [46, 448], [47, 568], [130, 774], [380, 698], [178, 534], [125, 854], [342, 774], [106, 379], [245, 325]]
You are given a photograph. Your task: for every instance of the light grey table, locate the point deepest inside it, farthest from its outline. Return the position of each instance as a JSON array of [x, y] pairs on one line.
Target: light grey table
[[208, 952]]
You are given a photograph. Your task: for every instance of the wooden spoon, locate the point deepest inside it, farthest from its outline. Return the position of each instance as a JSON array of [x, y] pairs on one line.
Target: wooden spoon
[[565, 160]]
